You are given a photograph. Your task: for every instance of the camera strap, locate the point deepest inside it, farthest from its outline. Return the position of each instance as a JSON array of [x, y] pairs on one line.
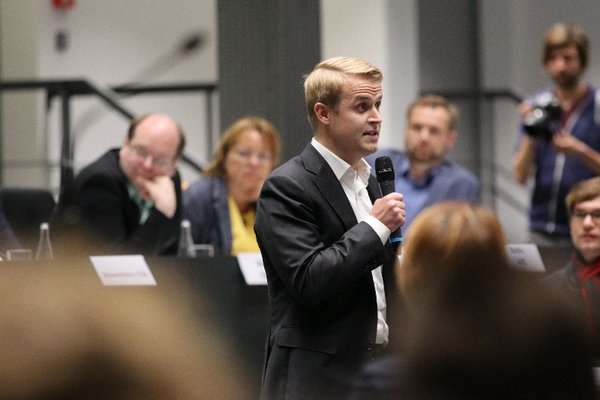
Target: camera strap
[[597, 107]]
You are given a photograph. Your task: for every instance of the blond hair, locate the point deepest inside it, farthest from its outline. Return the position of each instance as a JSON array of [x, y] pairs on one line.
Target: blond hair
[[447, 238], [324, 84], [230, 137]]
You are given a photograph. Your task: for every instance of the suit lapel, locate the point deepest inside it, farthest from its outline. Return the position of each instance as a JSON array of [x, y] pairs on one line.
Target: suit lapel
[[328, 185]]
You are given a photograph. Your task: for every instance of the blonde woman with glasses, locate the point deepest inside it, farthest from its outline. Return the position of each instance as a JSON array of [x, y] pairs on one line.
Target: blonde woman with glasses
[[221, 206]]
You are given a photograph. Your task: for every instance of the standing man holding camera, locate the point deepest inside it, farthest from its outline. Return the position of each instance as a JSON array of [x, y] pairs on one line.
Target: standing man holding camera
[[561, 143]]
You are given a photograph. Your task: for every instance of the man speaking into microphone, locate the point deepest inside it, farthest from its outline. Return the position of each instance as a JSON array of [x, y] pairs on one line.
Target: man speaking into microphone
[[324, 233]]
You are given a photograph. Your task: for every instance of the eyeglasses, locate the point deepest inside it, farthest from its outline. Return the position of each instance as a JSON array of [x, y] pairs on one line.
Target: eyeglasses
[[582, 214], [246, 156], [142, 154]]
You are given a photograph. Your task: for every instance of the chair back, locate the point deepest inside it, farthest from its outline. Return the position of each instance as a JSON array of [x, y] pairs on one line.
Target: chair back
[[25, 209]]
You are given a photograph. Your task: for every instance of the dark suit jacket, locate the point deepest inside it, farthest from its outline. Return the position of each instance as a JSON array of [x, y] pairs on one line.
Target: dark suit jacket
[[318, 261], [205, 206], [99, 205]]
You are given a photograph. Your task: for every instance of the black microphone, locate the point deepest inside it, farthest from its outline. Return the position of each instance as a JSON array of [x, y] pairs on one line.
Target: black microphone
[[385, 176]]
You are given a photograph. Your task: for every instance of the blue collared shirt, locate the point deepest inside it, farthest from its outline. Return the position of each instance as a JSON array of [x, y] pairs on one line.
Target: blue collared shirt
[[417, 192], [447, 181]]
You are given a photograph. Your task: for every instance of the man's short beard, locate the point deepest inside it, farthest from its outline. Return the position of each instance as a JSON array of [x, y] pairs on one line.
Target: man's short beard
[[569, 83], [433, 159]]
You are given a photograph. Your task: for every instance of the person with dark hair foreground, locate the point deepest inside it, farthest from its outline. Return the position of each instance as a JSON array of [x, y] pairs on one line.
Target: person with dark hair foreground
[[497, 334], [475, 328]]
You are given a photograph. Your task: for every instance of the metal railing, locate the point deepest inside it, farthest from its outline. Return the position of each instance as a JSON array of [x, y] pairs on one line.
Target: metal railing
[[66, 89]]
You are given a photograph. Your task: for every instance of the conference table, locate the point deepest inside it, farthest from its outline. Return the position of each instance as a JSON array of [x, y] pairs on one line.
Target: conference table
[[238, 312], [235, 311]]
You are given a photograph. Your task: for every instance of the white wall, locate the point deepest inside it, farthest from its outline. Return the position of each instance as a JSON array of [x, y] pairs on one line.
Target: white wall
[[383, 32], [22, 143], [110, 42]]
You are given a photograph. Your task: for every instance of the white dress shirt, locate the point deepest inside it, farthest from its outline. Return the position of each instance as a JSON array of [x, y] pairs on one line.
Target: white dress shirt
[[354, 182]]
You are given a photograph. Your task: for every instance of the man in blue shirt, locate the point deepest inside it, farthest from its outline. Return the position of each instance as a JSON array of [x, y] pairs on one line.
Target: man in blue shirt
[[570, 153], [423, 174]]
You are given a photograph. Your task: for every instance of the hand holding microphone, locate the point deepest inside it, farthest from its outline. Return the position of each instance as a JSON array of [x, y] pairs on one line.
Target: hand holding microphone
[[391, 207]]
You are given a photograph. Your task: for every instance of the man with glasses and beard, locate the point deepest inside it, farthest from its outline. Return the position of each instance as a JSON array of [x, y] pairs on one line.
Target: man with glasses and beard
[[567, 150], [129, 200]]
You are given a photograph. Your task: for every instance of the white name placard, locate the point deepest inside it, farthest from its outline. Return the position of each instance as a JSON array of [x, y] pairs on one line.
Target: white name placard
[[525, 256], [127, 270], [251, 265]]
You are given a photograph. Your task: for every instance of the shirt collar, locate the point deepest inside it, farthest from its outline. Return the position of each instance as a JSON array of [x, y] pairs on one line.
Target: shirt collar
[[341, 167], [405, 169]]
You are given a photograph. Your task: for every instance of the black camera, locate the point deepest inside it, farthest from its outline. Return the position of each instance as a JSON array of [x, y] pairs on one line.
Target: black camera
[[544, 120]]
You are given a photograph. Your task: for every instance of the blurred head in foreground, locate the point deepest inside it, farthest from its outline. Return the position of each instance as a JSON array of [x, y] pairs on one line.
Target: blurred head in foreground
[[478, 328], [64, 336], [445, 239], [502, 335]]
